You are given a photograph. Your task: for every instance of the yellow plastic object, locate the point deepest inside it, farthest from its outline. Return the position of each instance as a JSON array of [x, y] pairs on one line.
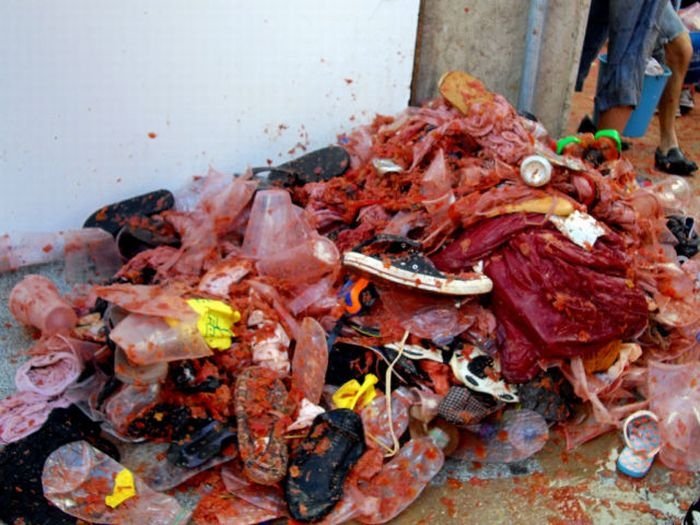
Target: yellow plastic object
[[353, 394], [561, 207], [215, 321], [462, 90], [124, 488]]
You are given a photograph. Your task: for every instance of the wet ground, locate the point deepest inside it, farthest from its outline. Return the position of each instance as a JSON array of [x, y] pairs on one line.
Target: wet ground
[[554, 487]]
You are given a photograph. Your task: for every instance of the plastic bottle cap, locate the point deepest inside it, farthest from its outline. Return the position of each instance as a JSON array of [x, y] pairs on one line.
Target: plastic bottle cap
[[565, 141], [536, 171], [611, 134]]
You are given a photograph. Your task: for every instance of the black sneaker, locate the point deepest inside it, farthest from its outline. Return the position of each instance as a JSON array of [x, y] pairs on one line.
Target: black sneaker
[[319, 466]]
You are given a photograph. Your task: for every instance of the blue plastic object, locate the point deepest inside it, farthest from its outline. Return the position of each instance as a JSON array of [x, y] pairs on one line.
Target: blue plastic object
[[693, 74], [652, 89]]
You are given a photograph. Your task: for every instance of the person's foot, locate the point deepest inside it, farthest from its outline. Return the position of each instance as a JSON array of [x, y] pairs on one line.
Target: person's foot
[[674, 162]]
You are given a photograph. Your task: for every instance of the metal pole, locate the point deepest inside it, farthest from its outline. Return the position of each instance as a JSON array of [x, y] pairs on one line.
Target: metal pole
[[533, 43]]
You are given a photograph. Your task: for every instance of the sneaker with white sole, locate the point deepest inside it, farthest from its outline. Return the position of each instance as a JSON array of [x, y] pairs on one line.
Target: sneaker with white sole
[[399, 260]]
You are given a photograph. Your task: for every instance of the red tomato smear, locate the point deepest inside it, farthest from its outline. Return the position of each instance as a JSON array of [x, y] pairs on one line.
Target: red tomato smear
[[450, 505]]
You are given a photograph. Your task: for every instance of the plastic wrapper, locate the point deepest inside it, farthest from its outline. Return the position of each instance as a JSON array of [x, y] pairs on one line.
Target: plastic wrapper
[[219, 278], [35, 301], [519, 435], [271, 351], [147, 340], [77, 478], [403, 478], [147, 300], [674, 393], [23, 413], [310, 360]]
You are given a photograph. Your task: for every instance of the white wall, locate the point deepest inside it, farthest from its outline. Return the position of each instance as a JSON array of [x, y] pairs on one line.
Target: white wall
[[226, 83]]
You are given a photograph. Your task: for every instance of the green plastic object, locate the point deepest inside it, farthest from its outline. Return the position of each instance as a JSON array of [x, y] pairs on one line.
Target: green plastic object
[[565, 141], [611, 134]]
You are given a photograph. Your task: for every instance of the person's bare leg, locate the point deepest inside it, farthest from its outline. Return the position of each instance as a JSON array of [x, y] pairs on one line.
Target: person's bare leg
[[679, 52], [615, 118]]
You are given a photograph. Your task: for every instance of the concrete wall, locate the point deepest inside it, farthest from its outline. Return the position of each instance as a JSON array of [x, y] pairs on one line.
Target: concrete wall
[[487, 38], [101, 100]]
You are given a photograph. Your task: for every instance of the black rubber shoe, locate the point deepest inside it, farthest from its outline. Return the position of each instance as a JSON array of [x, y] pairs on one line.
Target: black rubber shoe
[[674, 162], [114, 217], [319, 466]]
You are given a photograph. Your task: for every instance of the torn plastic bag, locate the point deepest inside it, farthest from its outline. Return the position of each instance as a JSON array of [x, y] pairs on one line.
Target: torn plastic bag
[[266, 497], [48, 375], [147, 340], [310, 360], [35, 301], [89, 255], [79, 479], [674, 394], [517, 436], [23, 413], [551, 297], [424, 315], [148, 300], [402, 480]]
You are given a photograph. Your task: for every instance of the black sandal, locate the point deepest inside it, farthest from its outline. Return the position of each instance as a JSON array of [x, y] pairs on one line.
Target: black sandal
[[674, 162]]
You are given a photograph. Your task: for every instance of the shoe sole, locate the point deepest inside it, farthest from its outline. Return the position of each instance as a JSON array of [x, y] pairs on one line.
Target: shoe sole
[[430, 283]]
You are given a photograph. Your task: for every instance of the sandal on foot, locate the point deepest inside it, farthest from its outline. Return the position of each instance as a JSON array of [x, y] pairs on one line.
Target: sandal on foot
[[674, 162], [643, 441]]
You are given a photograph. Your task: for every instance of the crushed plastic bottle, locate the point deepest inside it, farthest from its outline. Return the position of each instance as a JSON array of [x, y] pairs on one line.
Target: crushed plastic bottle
[[78, 479]]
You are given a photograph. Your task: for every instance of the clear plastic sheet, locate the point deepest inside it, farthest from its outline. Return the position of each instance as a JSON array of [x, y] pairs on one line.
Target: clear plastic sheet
[[89, 254], [77, 478], [148, 340], [674, 392], [519, 435]]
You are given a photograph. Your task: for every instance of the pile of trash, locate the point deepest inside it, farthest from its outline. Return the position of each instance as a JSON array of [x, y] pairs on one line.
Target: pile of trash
[[312, 340]]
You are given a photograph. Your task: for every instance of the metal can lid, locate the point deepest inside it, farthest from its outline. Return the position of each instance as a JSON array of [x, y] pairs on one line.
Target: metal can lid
[[535, 170]]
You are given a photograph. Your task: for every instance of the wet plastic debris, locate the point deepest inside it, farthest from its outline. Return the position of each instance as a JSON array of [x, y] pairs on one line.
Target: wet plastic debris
[[477, 310]]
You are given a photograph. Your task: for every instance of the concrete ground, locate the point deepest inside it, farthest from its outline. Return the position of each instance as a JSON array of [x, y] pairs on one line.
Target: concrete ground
[[555, 486]]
